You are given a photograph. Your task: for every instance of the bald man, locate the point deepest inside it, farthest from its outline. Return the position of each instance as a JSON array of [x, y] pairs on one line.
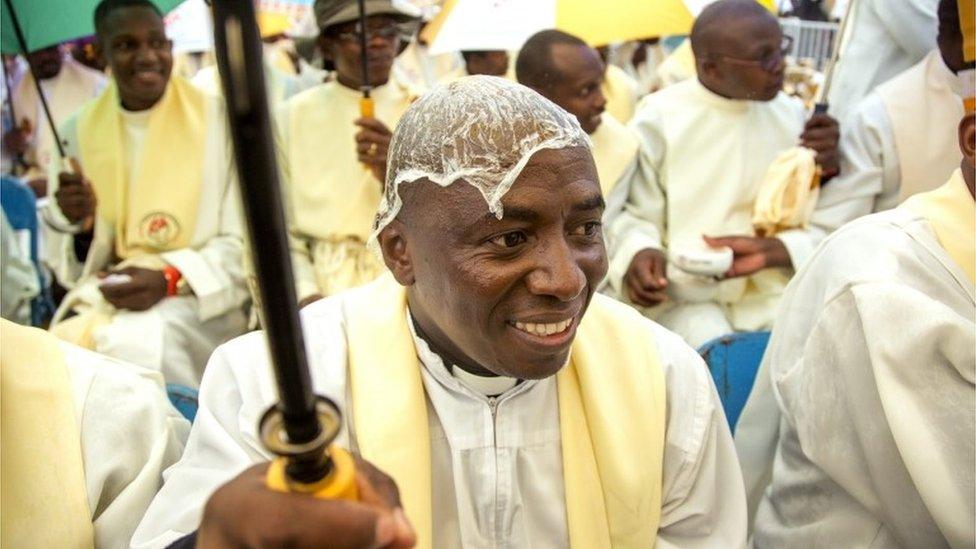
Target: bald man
[[568, 72], [705, 145], [511, 405]]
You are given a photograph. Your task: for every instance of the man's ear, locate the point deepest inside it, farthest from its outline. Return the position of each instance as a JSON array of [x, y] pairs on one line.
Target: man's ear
[[396, 253], [967, 137]]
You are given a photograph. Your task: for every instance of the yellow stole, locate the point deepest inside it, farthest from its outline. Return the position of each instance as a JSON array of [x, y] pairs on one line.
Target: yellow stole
[[612, 413], [614, 149], [44, 498], [162, 214], [951, 211]]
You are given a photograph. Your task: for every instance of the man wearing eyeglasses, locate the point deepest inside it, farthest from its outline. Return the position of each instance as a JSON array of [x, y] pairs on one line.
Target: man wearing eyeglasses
[[706, 144], [333, 158]]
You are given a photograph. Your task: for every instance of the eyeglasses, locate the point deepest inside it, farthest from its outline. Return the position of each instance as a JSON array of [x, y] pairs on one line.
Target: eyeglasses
[[386, 33], [768, 62]]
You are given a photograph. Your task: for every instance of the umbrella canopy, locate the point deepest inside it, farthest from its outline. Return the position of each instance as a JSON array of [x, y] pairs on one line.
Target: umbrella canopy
[[507, 24], [49, 22]]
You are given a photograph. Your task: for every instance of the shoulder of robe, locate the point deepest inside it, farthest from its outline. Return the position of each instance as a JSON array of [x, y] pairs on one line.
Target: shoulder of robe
[[311, 95], [880, 246]]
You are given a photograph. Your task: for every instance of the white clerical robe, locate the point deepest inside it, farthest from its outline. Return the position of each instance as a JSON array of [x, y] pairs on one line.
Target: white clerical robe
[[19, 283], [130, 434], [905, 130], [885, 39], [177, 335], [332, 196], [516, 502], [73, 86], [859, 429], [702, 159]]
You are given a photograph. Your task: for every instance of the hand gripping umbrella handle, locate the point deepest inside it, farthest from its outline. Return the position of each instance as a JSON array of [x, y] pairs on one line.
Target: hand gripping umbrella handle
[[301, 427]]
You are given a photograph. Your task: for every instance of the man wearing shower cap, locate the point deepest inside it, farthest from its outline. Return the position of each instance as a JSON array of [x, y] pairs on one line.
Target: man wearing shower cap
[[510, 403]]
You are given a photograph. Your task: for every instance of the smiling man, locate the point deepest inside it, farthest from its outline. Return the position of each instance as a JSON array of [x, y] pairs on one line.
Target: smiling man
[[705, 145], [333, 158], [511, 404], [150, 198], [568, 72]]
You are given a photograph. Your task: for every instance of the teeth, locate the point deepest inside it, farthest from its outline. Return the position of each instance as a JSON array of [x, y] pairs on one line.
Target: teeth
[[544, 329]]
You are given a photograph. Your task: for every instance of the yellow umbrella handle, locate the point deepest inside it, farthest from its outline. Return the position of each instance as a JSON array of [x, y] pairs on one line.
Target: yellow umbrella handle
[[340, 483], [367, 107]]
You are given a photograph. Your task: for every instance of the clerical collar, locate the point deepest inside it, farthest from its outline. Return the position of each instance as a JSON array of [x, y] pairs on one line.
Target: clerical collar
[[489, 386]]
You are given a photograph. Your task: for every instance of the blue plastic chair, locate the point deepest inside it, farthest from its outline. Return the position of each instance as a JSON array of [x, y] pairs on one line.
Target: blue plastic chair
[[184, 399], [20, 206], [733, 361]]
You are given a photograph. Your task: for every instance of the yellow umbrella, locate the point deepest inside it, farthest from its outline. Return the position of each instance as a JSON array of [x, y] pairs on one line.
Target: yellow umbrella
[[479, 25]]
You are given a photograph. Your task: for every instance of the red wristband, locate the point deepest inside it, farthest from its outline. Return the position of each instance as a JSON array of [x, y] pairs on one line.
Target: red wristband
[[172, 276]]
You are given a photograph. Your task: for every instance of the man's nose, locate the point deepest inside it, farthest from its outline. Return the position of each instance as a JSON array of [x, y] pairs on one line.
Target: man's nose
[[556, 273], [600, 100]]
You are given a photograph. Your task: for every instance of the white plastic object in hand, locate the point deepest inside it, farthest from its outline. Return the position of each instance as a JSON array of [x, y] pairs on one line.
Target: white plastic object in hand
[[701, 259], [115, 279]]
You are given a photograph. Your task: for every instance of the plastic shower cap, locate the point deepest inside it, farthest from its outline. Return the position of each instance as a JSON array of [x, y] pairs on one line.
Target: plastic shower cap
[[482, 129]]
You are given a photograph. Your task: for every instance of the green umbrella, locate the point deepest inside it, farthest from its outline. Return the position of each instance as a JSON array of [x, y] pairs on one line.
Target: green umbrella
[[30, 25], [49, 22]]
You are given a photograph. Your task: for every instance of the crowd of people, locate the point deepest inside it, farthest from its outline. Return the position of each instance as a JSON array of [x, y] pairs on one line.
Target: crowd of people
[[505, 270]]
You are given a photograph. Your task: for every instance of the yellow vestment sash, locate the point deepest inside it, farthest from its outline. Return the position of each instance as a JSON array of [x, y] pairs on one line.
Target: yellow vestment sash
[[612, 414], [951, 211], [161, 216], [44, 498]]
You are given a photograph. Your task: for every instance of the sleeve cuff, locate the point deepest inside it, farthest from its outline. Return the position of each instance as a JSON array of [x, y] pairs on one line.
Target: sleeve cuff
[[213, 299], [800, 244]]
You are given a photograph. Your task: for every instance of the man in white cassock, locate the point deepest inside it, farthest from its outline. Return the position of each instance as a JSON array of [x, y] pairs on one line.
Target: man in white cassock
[[568, 72], [860, 430], [333, 158], [145, 227], [85, 441], [884, 39], [510, 403], [894, 144], [705, 145], [67, 85]]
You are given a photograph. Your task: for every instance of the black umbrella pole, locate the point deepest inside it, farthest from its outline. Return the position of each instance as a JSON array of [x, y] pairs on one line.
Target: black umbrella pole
[[294, 427], [366, 108], [37, 81]]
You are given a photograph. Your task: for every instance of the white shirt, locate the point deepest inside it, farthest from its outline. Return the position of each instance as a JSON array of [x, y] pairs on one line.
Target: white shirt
[[859, 431], [496, 462]]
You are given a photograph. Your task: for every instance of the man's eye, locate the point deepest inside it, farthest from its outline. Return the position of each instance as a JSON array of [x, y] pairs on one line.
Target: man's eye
[[510, 240], [591, 228]]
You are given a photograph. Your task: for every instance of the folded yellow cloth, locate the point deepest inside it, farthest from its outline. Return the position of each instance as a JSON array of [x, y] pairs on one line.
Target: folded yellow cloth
[[788, 193], [612, 414], [44, 498]]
